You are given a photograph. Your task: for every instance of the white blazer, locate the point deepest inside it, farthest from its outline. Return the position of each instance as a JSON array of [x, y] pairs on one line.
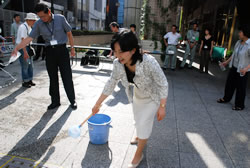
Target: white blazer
[[149, 78]]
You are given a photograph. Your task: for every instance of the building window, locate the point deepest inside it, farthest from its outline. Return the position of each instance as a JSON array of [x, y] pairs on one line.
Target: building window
[[95, 4], [98, 5]]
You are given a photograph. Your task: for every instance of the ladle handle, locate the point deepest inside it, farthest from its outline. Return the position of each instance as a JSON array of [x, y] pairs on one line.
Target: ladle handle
[[86, 120]]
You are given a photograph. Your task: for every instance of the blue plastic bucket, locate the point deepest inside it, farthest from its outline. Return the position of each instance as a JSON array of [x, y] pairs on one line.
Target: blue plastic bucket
[[99, 125]]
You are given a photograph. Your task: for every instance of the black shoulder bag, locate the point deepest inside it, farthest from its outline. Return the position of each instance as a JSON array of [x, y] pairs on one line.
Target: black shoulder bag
[[31, 50]]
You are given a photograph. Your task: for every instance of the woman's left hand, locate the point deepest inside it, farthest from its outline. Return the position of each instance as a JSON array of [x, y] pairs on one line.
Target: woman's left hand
[[243, 71], [161, 113]]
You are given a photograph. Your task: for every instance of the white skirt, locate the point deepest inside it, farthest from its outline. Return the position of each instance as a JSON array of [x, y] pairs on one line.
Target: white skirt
[[144, 109]]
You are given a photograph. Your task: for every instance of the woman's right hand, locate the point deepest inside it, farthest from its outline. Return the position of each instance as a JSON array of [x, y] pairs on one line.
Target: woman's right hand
[[96, 109]]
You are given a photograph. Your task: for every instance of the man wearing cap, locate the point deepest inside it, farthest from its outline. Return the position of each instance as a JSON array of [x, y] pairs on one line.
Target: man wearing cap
[[192, 40], [55, 31], [26, 60]]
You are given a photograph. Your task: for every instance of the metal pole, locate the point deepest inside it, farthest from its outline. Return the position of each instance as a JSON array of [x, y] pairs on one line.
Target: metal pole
[[52, 6], [81, 14], [232, 29], [180, 18], [23, 5]]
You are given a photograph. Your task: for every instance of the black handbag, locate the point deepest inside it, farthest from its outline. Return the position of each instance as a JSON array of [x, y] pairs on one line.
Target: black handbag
[[31, 50]]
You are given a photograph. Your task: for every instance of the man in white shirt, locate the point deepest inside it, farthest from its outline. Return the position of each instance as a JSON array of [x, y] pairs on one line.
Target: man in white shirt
[[171, 40], [26, 61]]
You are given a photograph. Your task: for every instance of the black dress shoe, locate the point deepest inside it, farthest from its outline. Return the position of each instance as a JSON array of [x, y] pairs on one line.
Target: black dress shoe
[[53, 106], [31, 83], [74, 106], [26, 84], [164, 68]]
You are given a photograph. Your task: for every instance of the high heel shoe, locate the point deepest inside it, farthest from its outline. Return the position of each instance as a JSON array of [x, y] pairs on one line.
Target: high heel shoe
[[134, 141], [137, 164]]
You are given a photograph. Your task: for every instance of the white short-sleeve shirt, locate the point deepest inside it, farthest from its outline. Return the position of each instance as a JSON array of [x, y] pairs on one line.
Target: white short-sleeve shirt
[[22, 32], [173, 38]]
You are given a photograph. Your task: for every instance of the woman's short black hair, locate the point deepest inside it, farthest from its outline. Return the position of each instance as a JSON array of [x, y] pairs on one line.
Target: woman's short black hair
[[245, 30], [41, 7], [128, 41]]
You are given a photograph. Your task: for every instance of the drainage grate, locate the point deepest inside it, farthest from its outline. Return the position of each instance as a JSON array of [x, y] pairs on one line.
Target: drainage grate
[[17, 162]]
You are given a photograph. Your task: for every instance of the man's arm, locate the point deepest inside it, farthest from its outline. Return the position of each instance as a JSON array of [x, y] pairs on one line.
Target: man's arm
[[165, 41], [197, 39], [201, 47], [12, 33], [13, 40], [71, 43], [188, 38], [165, 37], [23, 44], [26, 55]]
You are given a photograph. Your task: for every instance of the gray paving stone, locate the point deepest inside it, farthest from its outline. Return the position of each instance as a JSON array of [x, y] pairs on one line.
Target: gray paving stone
[[189, 160], [241, 164], [130, 154], [230, 118], [194, 113], [162, 158], [88, 155], [194, 138], [164, 136], [209, 134], [122, 129]]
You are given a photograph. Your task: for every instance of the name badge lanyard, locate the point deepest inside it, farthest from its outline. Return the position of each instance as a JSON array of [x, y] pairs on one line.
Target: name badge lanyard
[[51, 30]]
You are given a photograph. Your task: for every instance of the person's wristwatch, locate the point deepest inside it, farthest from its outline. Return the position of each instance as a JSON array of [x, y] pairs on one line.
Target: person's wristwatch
[[162, 105]]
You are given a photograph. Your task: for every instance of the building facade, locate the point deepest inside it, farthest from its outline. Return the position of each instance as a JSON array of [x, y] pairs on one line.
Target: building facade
[[159, 16], [120, 17], [91, 16], [111, 12], [88, 14], [223, 18], [132, 13]]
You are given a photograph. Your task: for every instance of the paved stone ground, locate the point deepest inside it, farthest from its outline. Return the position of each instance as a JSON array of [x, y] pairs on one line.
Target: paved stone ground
[[197, 132]]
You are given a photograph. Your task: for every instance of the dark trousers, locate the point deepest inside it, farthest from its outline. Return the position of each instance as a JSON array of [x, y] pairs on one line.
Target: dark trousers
[[238, 83], [204, 61], [58, 58], [40, 48]]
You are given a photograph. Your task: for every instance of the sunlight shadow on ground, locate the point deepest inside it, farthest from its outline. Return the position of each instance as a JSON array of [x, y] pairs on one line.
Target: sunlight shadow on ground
[[197, 141]]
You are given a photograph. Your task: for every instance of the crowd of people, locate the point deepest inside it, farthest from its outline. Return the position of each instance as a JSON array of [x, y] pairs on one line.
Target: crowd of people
[[132, 66], [239, 62]]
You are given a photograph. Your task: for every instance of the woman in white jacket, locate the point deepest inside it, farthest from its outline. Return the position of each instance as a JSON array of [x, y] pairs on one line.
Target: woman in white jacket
[[150, 87]]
